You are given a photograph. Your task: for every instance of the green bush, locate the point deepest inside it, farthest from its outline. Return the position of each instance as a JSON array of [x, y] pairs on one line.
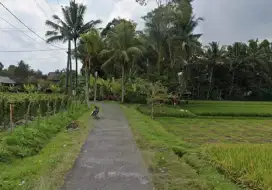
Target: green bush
[[136, 98], [28, 141]]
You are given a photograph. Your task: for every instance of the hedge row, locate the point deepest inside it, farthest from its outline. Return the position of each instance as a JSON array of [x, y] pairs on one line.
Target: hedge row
[[30, 105], [28, 141]]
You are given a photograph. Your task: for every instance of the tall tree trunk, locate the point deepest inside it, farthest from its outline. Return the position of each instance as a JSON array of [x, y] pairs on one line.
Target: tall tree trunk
[[232, 83], [123, 83], [210, 84], [75, 44], [67, 72], [87, 84], [70, 68]]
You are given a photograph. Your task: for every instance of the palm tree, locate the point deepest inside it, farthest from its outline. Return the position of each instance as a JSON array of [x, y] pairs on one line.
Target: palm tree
[[61, 32], [89, 48], [74, 25], [122, 44], [213, 56], [237, 54]]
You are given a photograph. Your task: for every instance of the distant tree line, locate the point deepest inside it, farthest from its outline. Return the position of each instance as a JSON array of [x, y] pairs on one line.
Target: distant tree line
[[166, 50]]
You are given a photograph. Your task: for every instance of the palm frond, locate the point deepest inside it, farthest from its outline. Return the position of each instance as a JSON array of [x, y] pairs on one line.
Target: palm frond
[[134, 51], [109, 61], [51, 33], [125, 56], [56, 39], [106, 52], [53, 25]]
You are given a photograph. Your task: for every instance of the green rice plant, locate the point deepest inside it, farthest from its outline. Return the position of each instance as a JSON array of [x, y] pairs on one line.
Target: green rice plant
[[230, 108], [165, 111], [210, 131], [247, 164]]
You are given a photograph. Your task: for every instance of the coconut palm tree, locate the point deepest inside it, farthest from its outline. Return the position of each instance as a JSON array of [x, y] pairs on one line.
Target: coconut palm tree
[[214, 55], [73, 23], [122, 44], [75, 17], [236, 56], [61, 32], [90, 46]]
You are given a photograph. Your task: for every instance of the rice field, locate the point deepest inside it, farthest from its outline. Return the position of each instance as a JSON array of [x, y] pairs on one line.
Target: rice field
[[201, 131], [247, 164], [234, 137], [229, 108]]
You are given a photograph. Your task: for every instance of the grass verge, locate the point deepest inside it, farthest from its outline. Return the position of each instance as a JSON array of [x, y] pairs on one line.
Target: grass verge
[[172, 163], [46, 170]]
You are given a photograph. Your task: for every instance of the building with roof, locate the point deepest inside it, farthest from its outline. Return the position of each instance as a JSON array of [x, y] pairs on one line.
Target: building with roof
[[53, 76], [6, 81]]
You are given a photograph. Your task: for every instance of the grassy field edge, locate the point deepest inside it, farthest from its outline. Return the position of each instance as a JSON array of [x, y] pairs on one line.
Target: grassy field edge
[[171, 162], [48, 169]]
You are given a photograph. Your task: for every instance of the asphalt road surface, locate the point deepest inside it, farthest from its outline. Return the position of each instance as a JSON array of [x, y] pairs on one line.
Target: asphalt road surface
[[109, 159]]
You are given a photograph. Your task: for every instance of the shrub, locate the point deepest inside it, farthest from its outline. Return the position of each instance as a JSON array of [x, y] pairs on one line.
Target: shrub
[[28, 141]]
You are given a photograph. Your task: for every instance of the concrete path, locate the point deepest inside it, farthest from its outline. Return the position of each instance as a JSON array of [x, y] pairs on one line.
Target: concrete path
[[109, 159]]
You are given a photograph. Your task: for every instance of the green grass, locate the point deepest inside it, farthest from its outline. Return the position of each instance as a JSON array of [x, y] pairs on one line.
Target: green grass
[[248, 164], [199, 131], [173, 163], [46, 170], [27, 141], [246, 155], [165, 111], [229, 108], [211, 108]]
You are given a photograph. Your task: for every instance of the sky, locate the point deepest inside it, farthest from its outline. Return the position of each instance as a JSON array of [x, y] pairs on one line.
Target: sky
[[225, 21]]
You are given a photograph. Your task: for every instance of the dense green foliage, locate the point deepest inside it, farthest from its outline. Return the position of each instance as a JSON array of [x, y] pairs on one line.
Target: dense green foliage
[[47, 169], [172, 54], [28, 106], [28, 141], [23, 72]]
